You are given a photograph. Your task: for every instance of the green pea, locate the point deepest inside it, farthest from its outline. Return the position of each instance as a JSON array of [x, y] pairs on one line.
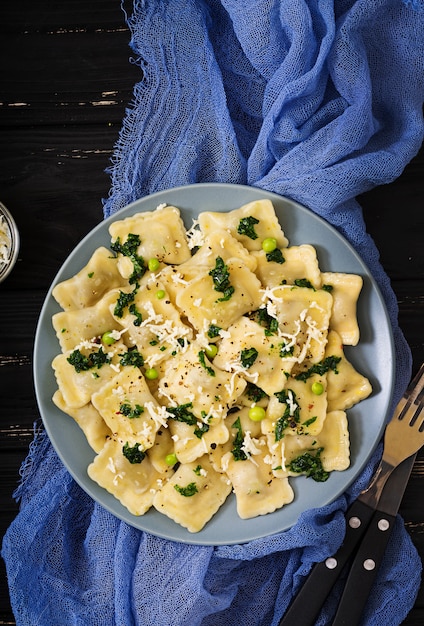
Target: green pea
[[269, 244], [153, 264], [211, 350], [151, 373], [160, 294], [317, 388], [256, 413], [171, 459], [107, 338]]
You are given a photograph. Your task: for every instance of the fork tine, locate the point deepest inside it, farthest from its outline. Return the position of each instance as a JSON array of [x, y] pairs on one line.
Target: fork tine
[[416, 385], [413, 395]]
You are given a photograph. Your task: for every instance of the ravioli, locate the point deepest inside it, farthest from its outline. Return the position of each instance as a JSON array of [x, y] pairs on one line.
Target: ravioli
[[208, 363]]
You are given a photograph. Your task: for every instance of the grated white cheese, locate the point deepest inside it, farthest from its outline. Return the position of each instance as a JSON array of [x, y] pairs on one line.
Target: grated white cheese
[[195, 236], [111, 465], [5, 241], [158, 413], [249, 446]]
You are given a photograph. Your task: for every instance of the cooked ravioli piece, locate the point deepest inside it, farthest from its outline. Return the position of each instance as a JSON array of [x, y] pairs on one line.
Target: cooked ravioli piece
[[250, 224], [296, 409], [303, 316], [133, 484], [161, 448], [332, 445], [300, 263], [193, 494], [348, 386], [334, 439], [268, 369], [191, 378], [88, 419], [346, 289], [153, 324], [78, 325], [90, 284], [203, 303], [161, 232], [77, 387], [189, 446], [129, 409], [218, 242], [258, 491]]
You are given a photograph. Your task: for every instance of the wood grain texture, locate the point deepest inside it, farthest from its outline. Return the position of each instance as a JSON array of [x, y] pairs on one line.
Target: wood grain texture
[[65, 82]]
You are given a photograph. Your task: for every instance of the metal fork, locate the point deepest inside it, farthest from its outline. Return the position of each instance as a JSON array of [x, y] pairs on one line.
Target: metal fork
[[404, 436], [369, 520]]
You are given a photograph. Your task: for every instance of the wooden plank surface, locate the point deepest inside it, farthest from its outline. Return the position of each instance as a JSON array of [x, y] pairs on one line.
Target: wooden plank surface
[[65, 82]]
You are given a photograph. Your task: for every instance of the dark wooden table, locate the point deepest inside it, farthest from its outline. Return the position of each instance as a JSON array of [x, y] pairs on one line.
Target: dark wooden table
[[65, 81]]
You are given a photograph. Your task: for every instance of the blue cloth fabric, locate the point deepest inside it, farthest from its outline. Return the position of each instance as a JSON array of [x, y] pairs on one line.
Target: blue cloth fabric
[[316, 100]]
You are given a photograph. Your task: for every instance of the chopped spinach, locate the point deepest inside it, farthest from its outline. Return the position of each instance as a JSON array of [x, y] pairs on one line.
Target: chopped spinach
[[202, 359], [130, 412], [309, 464], [213, 331], [187, 491], [134, 311], [321, 368], [221, 280], [237, 451], [276, 256], [254, 393], [133, 454], [304, 282], [129, 249], [248, 356], [132, 357], [287, 419], [83, 363], [247, 227]]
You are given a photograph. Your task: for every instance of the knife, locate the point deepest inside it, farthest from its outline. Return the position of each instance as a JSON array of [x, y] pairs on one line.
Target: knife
[[366, 522]]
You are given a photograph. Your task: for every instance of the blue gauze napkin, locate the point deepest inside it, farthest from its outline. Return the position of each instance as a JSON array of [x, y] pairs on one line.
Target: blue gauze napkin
[[315, 100]]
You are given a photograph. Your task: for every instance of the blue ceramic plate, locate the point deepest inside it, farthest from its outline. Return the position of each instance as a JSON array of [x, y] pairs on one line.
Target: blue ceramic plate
[[373, 357]]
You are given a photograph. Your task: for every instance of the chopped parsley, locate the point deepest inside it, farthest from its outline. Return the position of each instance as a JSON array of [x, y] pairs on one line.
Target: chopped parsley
[[202, 359], [197, 470], [247, 227], [221, 279], [237, 451], [130, 412], [276, 256], [133, 454], [321, 368], [83, 363], [132, 357], [187, 491], [309, 464], [248, 356], [129, 249]]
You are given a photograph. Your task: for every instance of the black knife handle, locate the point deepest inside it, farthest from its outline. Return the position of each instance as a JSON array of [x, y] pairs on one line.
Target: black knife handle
[[309, 600], [363, 570]]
